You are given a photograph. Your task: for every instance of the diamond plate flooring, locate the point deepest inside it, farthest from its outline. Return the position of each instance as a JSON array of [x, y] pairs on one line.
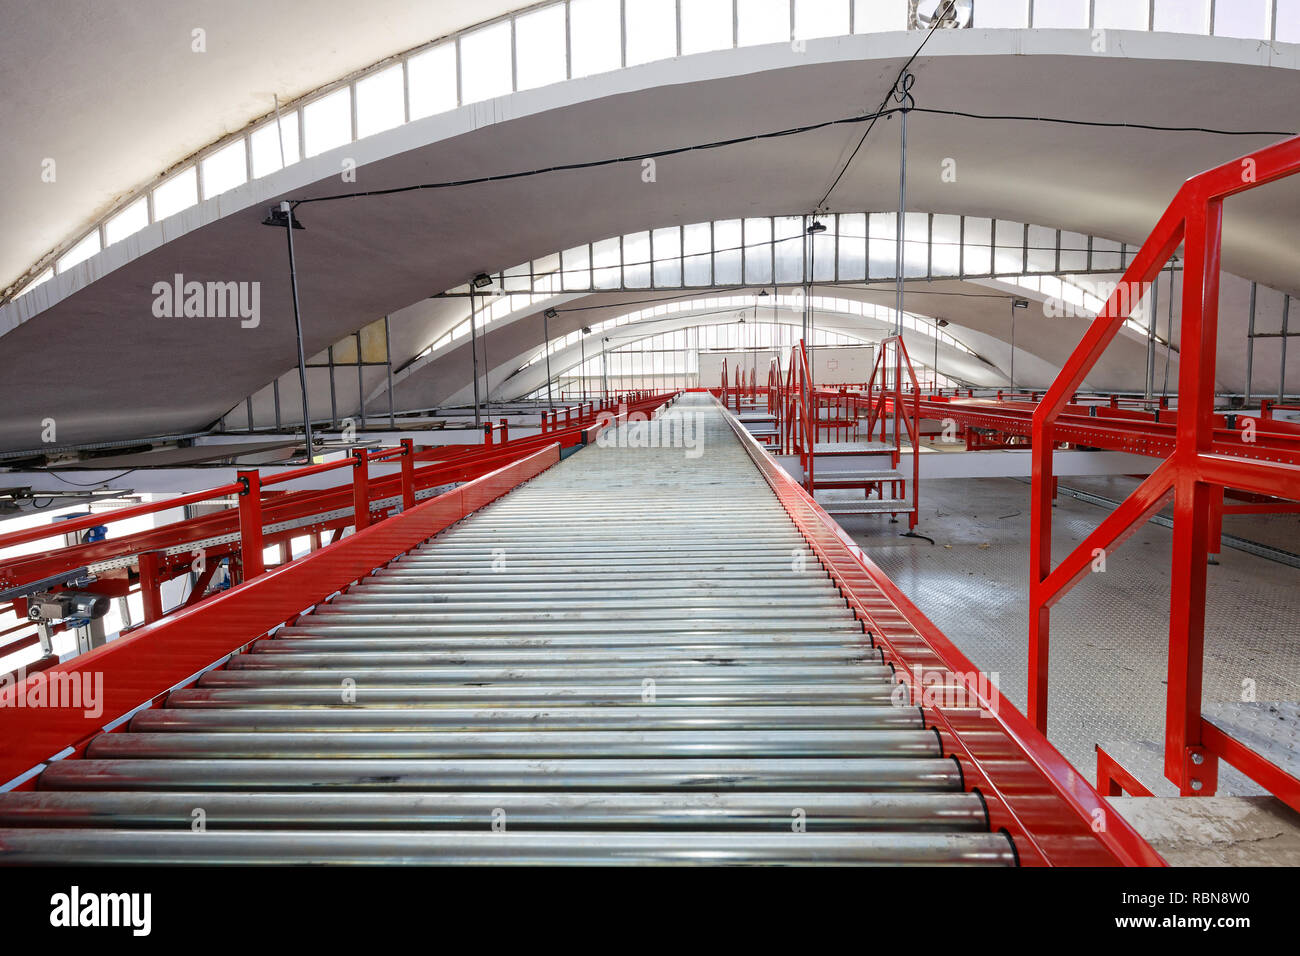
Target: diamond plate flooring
[[1109, 635]]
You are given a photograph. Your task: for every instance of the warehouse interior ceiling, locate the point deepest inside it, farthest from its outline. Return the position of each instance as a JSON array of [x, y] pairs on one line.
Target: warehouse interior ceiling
[[115, 92], [360, 259]]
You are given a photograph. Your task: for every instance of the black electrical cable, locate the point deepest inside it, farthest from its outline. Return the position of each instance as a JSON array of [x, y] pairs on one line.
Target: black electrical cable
[[595, 163], [963, 295], [1110, 125], [694, 294], [78, 484], [893, 87], [757, 137]]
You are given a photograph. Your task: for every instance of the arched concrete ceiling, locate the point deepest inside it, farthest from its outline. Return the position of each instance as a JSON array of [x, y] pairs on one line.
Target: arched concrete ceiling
[[979, 317], [360, 259], [114, 92], [952, 361]]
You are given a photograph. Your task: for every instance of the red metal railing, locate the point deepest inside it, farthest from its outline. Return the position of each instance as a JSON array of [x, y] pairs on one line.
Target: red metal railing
[[800, 436], [1051, 812], [138, 667], [775, 392], [159, 554], [884, 398], [1194, 474]]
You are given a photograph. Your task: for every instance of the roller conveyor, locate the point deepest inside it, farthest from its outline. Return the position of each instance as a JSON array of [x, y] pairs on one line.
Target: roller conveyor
[[634, 658]]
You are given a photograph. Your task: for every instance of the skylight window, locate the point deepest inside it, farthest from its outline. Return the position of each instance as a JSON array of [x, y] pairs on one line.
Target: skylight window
[[1120, 15], [821, 18], [328, 122], [270, 151], [485, 69], [130, 220], [762, 21], [595, 36], [431, 78], [1288, 21], [225, 169], [706, 25], [179, 192], [82, 251], [45, 276], [1000, 14], [651, 30], [539, 47], [380, 104], [1242, 18], [879, 16], [1061, 14], [1182, 16]]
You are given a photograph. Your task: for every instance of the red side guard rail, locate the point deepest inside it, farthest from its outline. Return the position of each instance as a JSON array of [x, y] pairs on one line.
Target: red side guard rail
[[1194, 474], [1051, 812], [139, 667], [882, 399], [800, 436]]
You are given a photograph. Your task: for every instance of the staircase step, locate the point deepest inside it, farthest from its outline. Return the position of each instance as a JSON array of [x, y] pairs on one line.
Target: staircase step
[[853, 503], [831, 476], [852, 448]]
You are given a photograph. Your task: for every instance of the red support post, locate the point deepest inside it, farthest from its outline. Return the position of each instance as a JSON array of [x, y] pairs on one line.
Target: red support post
[[151, 586], [408, 475], [1185, 758], [360, 490], [250, 524]]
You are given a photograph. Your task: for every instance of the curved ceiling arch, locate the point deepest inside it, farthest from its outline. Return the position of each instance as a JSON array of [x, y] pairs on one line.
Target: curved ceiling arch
[[956, 363], [361, 260], [506, 50]]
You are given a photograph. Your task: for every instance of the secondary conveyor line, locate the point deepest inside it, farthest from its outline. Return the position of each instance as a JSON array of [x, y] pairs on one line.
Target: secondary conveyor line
[[633, 658]]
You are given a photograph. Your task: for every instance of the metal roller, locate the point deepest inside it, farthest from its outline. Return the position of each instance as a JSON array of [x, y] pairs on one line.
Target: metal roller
[[756, 629], [958, 812], [860, 774], [523, 694], [551, 656], [617, 643], [630, 671], [754, 717], [484, 847], [540, 744], [633, 658]]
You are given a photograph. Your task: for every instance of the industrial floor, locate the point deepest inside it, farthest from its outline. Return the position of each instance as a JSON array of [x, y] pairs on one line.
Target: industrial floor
[[1109, 636]]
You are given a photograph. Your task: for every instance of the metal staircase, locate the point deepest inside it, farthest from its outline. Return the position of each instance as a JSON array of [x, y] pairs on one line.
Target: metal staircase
[[846, 474], [633, 658]]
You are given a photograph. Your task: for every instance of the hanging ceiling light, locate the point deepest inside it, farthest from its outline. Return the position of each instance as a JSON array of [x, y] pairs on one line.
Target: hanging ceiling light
[[816, 227], [482, 280], [951, 14], [550, 313]]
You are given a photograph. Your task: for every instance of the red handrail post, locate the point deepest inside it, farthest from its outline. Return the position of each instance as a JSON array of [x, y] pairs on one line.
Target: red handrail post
[[150, 586], [505, 430], [408, 474], [1184, 755], [360, 490], [250, 524], [1195, 473]]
